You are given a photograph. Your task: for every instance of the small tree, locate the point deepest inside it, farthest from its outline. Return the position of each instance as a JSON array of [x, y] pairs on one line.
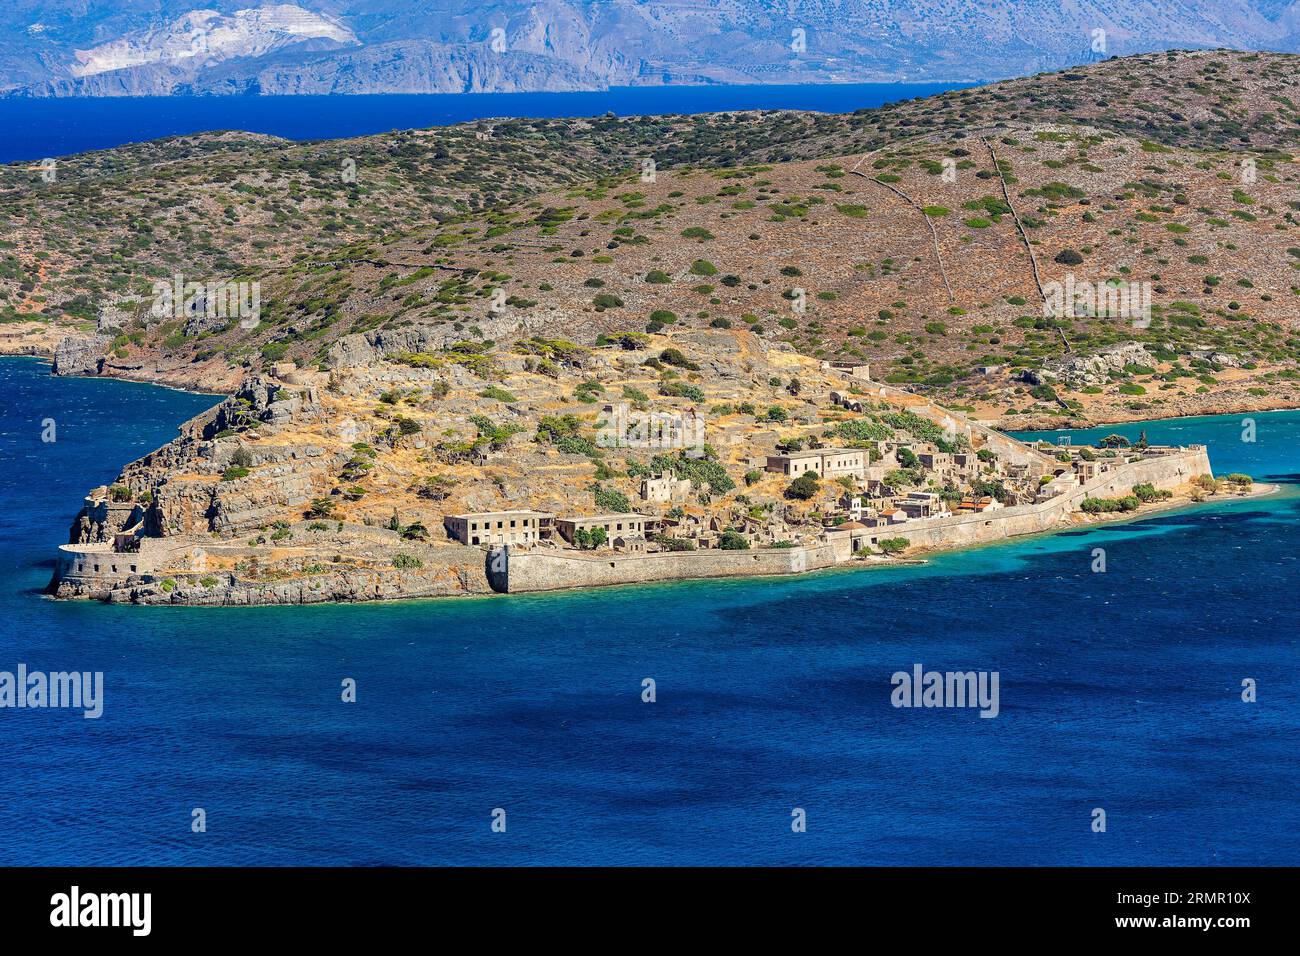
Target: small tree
[[894, 546], [321, 508], [733, 540], [804, 487], [610, 500]]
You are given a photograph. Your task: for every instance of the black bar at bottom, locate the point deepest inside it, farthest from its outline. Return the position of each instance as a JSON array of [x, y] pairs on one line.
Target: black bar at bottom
[[210, 905]]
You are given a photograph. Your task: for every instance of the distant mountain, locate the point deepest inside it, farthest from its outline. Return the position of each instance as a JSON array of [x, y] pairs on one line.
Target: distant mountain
[[158, 47]]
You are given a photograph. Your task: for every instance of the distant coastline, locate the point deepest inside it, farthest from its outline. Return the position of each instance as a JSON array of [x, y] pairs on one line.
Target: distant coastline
[[62, 126]]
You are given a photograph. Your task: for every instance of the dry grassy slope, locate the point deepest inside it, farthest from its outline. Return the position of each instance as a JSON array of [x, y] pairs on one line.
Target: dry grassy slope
[[871, 271], [235, 204]]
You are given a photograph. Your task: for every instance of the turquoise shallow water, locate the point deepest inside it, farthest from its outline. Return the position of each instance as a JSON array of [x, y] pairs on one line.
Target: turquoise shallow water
[[1118, 690]]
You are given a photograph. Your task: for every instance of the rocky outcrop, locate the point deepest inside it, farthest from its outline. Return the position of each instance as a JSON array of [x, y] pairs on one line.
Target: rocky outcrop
[[1080, 371], [367, 348], [260, 400], [80, 355]]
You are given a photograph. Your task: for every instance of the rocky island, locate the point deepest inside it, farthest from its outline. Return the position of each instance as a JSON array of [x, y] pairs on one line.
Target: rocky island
[[549, 465], [530, 354]]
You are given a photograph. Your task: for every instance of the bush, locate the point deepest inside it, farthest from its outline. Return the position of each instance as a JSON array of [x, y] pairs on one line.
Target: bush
[[733, 540], [804, 487], [893, 546], [672, 544], [589, 539], [1095, 506], [406, 561], [1069, 257], [321, 508], [682, 390], [675, 357], [1147, 492], [607, 499], [701, 472]]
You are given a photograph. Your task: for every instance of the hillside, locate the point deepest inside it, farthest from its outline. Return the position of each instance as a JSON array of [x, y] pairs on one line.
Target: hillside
[[1171, 170]]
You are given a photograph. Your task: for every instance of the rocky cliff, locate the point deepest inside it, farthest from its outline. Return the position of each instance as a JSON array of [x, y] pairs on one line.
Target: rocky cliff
[[80, 355]]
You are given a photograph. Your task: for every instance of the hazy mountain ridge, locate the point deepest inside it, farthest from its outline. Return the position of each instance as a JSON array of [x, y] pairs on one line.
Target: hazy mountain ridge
[[378, 46]]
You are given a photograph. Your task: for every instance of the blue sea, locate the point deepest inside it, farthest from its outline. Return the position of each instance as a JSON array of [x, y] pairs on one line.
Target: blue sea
[[40, 128], [1119, 690]]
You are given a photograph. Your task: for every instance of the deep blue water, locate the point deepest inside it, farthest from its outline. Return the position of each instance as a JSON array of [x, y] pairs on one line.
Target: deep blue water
[[1119, 690], [39, 128]]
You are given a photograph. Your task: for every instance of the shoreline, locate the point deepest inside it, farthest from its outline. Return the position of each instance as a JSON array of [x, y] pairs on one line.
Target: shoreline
[[922, 558], [170, 573]]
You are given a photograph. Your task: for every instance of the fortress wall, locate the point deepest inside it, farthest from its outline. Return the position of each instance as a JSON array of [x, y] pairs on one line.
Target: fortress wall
[[542, 571], [93, 568], [1165, 472], [87, 568]]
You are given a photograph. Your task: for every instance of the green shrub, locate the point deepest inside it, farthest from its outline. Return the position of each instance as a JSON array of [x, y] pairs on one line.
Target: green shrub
[[893, 546], [803, 488]]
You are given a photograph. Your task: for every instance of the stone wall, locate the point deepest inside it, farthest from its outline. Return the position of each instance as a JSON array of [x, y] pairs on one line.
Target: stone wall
[[958, 531], [541, 570], [91, 570]]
